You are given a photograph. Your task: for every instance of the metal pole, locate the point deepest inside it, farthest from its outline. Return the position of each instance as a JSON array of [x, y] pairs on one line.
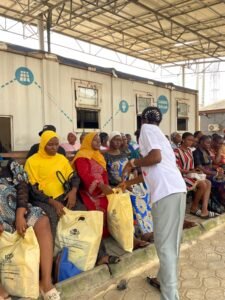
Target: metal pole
[[183, 75], [41, 33], [203, 86], [49, 24]]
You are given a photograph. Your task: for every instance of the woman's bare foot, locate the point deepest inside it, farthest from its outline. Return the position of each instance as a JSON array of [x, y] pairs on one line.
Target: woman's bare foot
[[139, 244], [148, 237], [188, 224], [46, 286]]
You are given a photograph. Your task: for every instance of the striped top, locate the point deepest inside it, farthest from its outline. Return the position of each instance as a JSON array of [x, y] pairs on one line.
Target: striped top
[[185, 162]]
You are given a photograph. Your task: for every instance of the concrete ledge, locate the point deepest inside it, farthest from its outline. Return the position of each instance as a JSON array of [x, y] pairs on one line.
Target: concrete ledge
[[130, 261], [86, 281], [90, 280]]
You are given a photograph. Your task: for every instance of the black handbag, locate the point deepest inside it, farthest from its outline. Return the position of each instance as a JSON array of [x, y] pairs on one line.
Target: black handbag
[[67, 184]]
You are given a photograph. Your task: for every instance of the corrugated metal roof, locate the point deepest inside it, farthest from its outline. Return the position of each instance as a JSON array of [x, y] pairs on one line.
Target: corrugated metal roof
[[159, 31], [219, 106]]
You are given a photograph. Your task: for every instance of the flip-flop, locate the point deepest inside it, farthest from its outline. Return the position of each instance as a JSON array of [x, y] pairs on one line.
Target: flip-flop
[[153, 281], [211, 214], [196, 213], [108, 260], [50, 295], [122, 285], [112, 260]]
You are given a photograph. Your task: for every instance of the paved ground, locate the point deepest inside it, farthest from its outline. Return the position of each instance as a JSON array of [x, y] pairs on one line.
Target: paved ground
[[201, 274]]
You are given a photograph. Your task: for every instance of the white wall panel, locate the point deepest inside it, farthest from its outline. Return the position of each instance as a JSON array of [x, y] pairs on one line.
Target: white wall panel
[[50, 99]]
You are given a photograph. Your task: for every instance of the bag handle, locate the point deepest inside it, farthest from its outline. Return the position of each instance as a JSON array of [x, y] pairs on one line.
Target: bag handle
[[65, 183], [117, 191], [60, 177]]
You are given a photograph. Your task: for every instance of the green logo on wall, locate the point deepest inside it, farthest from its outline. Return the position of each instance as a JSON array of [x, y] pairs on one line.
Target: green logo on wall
[[163, 104], [24, 76], [123, 106]]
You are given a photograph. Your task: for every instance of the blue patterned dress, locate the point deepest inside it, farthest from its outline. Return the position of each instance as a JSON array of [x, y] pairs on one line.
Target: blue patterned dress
[[14, 194]]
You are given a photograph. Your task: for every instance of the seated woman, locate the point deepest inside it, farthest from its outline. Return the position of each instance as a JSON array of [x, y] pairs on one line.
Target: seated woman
[[47, 188], [71, 145], [115, 162], [202, 188], [104, 137], [218, 151], [47, 171], [124, 148], [203, 156], [203, 161], [91, 168], [18, 214]]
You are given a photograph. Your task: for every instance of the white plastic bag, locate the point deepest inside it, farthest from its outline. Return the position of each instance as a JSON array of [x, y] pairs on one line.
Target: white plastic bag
[[120, 219], [81, 233], [19, 263]]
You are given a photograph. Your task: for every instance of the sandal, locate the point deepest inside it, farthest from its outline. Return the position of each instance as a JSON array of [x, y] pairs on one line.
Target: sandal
[[113, 260], [53, 294], [211, 214], [196, 213], [108, 260], [153, 281], [122, 285]]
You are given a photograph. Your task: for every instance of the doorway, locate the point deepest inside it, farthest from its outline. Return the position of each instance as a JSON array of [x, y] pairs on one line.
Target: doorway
[[5, 134]]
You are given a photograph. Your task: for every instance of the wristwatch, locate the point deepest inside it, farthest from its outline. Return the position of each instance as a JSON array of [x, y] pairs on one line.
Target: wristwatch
[[132, 162]]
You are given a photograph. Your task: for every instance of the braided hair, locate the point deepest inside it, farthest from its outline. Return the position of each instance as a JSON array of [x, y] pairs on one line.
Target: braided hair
[[152, 115]]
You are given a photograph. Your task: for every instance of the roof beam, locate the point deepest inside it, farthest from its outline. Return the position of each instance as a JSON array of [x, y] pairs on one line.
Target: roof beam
[[137, 2]]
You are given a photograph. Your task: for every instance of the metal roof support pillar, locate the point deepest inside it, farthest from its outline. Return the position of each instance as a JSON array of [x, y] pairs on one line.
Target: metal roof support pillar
[[203, 86], [41, 33], [49, 24], [183, 75]]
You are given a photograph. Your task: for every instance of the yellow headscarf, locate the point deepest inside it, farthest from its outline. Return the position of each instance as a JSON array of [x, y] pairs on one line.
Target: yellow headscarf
[[41, 168], [45, 138], [86, 151]]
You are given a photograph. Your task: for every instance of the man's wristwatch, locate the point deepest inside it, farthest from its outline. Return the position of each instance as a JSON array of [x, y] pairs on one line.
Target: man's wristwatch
[[132, 162]]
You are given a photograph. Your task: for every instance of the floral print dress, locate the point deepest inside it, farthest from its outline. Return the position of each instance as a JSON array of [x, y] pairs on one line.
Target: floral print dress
[[14, 194]]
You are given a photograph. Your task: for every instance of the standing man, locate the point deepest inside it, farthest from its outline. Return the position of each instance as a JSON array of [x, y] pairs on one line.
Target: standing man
[[168, 194]]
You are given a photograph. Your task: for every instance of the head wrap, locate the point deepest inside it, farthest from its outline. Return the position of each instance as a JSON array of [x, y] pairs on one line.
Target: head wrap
[[113, 134], [41, 168], [87, 151], [152, 114], [73, 133], [45, 138], [173, 135]]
